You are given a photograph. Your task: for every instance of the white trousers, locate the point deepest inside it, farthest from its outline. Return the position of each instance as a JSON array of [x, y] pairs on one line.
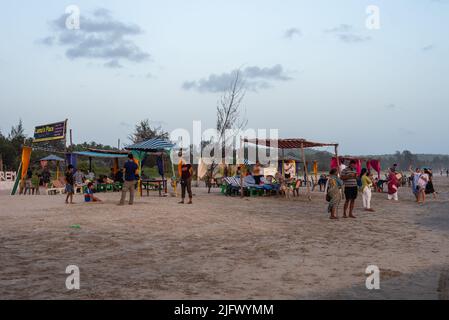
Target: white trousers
[[366, 197], [393, 196]]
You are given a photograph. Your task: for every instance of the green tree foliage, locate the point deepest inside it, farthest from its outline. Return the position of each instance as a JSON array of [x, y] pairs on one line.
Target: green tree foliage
[[143, 131]]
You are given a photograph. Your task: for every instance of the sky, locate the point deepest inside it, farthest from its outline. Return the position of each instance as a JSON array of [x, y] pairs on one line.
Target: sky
[[313, 69]]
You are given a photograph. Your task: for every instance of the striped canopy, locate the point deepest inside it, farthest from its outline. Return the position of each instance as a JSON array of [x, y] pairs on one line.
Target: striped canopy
[[52, 157], [151, 145]]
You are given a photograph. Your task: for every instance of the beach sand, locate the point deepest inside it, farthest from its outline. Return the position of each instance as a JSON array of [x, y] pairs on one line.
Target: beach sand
[[223, 248]]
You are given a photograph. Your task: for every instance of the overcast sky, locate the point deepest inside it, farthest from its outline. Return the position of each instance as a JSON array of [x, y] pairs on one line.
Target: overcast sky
[[313, 69]]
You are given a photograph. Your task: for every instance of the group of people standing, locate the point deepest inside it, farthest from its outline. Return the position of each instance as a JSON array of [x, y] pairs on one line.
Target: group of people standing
[[352, 183], [422, 184]]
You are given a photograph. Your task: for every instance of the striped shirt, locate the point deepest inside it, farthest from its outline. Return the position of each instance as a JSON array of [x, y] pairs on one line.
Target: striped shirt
[[351, 182]]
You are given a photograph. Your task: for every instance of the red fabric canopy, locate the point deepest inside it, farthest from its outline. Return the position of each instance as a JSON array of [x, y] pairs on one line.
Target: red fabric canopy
[[289, 143]]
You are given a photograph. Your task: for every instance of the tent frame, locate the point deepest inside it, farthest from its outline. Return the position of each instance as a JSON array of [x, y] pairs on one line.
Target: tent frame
[[295, 143]]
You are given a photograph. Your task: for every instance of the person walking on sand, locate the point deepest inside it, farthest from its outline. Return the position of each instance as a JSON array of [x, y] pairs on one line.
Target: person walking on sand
[[69, 184], [429, 187], [367, 183], [129, 170], [415, 178], [393, 185], [349, 177], [422, 184], [186, 180], [333, 193]]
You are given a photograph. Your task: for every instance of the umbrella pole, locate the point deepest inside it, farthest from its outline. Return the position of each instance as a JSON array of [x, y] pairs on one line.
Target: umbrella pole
[[305, 171]]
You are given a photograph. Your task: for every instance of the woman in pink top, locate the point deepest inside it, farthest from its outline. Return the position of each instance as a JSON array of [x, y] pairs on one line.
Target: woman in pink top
[[422, 183]]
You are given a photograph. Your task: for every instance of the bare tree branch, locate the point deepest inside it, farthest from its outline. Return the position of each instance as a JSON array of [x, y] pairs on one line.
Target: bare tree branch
[[229, 114]]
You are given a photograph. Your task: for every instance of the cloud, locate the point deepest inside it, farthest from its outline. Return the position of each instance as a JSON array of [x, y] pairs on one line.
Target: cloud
[[48, 41], [290, 33], [346, 33], [342, 28], [428, 48], [254, 78], [100, 37], [113, 64], [353, 38]]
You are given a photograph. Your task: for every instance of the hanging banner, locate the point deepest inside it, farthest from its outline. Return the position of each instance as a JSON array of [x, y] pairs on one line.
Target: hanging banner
[[48, 132], [26, 155]]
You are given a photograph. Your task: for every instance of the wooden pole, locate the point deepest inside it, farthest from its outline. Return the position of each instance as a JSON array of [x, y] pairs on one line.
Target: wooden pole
[[338, 160], [241, 169], [305, 171]]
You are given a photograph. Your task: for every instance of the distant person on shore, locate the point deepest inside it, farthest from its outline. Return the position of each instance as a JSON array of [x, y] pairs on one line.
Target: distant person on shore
[[333, 193], [129, 168], [79, 177], [367, 184], [69, 184], [28, 182], [89, 194], [186, 180], [349, 177], [422, 184], [447, 173], [415, 178], [257, 170], [322, 182], [420, 180], [35, 182], [429, 187], [393, 185], [46, 176]]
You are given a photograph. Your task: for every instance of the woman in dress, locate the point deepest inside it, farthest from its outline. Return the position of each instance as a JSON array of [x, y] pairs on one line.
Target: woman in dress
[[333, 194], [429, 187], [393, 185]]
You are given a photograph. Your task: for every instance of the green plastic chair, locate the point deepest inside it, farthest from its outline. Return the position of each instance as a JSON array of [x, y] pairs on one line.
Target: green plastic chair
[[101, 187]]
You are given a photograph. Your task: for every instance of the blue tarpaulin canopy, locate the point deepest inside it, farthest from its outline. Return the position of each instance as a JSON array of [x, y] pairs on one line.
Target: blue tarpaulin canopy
[[52, 157], [100, 154]]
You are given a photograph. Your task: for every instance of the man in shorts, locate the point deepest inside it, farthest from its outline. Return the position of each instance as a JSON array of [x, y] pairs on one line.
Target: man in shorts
[[349, 177], [69, 184]]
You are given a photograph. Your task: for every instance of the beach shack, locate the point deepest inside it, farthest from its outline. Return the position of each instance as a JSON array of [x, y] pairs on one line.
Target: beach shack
[[296, 143]]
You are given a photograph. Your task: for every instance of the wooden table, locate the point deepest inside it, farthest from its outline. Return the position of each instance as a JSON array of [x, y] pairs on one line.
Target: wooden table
[[161, 183]]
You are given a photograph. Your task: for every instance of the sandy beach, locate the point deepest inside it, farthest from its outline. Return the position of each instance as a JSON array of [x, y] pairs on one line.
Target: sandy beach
[[223, 248]]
